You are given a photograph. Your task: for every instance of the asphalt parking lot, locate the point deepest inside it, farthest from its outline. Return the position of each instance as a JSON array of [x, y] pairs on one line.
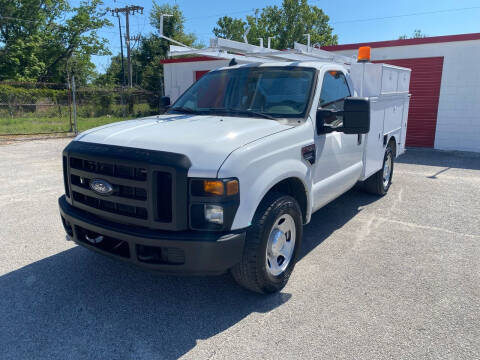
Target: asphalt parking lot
[[396, 277]]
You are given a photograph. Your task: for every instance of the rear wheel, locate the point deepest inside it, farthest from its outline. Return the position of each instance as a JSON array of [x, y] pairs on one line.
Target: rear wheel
[[380, 182], [271, 246]]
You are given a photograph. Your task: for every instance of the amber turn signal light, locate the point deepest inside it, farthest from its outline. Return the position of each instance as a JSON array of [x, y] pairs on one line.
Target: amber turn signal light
[[214, 187], [220, 187], [232, 187]]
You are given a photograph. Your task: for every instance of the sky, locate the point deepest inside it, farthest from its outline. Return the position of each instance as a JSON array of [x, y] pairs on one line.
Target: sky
[[352, 20]]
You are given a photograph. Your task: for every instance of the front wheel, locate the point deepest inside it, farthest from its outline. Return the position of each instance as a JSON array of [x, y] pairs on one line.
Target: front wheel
[[271, 247], [380, 182]]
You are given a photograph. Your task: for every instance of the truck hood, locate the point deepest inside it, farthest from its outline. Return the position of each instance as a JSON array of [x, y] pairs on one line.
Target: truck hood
[[206, 140]]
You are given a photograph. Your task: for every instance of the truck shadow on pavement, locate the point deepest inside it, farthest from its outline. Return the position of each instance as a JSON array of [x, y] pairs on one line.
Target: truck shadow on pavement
[[81, 305], [332, 217]]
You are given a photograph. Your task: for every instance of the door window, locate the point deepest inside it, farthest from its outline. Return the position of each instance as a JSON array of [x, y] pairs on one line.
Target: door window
[[333, 94]]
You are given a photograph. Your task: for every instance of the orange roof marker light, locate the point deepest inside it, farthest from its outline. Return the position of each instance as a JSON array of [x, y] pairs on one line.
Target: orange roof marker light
[[363, 54]]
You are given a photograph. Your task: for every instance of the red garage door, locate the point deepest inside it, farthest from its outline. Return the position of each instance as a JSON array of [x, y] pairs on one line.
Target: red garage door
[[200, 73], [425, 84]]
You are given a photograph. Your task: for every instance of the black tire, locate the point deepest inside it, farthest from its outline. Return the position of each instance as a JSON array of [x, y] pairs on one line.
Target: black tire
[[251, 272], [375, 184]]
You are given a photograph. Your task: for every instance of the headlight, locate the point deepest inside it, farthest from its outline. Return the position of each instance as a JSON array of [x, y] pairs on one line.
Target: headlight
[[214, 214], [213, 203]]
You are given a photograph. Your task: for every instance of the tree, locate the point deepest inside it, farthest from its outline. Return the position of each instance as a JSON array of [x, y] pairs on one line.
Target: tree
[[43, 40], [173, 26], [417, 34], [229, 28], [287, 23], [113, 73], [73, 43]]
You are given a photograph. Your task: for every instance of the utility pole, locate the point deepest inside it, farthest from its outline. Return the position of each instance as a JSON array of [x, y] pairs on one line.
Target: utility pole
[[127, 41], [121, 50], [74, 91], [127, 10]]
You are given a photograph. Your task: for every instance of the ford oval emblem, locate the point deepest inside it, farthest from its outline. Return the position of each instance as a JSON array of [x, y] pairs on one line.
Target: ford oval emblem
[[101, 187]]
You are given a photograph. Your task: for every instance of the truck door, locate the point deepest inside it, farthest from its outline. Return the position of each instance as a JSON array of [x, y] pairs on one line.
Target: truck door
[[339, 156]]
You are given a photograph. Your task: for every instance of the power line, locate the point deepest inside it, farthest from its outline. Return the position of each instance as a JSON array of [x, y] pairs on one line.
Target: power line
[[219, 15], [405, 15], [18, 19], [335, 22], [36, 21], [348, 21], [28, 21]]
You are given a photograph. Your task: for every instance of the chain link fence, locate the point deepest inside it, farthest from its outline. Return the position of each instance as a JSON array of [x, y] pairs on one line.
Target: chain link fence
[[27, 108], [44, 108]]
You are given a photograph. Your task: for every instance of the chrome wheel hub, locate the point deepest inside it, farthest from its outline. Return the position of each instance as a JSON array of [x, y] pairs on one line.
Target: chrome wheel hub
[[387, 170], [280, 245]]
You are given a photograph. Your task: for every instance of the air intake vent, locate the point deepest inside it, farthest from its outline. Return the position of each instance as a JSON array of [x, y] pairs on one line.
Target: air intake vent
[[65, 177], [164, 197]]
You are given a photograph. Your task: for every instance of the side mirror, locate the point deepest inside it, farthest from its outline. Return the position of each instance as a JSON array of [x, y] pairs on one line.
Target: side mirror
[[356, 116], [323, 117], [164, 101]]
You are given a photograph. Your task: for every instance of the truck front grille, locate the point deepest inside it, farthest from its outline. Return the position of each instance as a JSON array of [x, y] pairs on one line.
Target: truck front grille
[[103, 168], [129, 197], [124, 191], [110, 206], [143, 188]]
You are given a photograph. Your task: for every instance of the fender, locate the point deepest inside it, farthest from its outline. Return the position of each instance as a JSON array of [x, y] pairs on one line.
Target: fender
[[258, 174], [263, 184]]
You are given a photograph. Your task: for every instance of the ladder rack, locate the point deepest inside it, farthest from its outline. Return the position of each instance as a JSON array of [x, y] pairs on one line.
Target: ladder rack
[[229, 49]]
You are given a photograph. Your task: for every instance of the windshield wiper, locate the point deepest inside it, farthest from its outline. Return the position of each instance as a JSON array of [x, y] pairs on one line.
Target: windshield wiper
[[184, 110], [255, 113], [240, 112], [224, 110]]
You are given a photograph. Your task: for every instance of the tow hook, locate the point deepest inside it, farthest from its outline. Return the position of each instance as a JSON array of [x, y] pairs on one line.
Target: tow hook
[[94, 240]]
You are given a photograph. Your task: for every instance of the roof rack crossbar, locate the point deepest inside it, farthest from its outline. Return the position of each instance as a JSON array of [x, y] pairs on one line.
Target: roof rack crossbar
[[228, 49]]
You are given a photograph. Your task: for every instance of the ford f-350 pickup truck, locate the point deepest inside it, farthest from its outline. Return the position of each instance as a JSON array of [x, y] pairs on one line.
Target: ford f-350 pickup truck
[[226, 179]]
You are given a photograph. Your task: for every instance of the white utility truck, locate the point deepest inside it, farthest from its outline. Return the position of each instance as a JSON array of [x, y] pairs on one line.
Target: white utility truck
[[225, 180]]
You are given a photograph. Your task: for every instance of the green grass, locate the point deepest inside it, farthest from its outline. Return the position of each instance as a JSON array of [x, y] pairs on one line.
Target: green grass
[[33, 125], [57, 119]]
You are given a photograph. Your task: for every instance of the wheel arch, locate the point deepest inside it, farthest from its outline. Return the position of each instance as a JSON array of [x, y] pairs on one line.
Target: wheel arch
[[294, 187], [393, 143]]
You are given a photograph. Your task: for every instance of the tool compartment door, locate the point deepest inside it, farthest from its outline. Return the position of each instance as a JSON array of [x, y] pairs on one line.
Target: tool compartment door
[[403, 134], [374, 150]]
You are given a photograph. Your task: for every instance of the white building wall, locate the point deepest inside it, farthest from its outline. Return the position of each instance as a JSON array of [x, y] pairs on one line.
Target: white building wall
[[179, 76], [458, 119]]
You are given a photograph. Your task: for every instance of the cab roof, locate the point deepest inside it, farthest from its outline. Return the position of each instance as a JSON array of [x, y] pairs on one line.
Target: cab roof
[[307, 64]]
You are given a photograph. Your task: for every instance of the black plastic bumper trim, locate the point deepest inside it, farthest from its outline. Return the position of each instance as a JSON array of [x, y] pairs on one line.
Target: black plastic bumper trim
[[205, 253]]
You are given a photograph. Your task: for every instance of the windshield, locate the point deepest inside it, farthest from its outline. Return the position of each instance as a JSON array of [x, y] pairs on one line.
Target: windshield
[[268, 92]]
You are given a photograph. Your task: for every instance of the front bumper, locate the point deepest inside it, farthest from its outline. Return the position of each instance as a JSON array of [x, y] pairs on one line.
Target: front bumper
[[199, 253]]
